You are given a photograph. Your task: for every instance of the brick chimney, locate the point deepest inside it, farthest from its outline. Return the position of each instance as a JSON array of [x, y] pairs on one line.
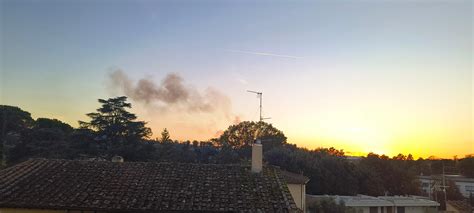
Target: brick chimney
[[257, 157]]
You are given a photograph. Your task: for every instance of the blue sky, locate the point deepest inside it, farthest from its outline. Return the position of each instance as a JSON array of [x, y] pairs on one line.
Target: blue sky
[[385, 74]]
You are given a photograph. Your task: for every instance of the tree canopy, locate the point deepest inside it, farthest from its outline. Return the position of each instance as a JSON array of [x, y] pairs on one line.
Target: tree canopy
[[14, 121], [165, 136], [246, 132], [466, 166], [43, 123], [116, 128], [112, 121]]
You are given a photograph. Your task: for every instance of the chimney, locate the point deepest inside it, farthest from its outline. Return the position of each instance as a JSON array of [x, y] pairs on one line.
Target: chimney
[[117, 159], [257, 157]]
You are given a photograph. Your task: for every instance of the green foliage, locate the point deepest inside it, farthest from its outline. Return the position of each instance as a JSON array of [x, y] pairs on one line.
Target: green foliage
[[84, 145], [226, 155], [165, 136], [113, 121], [14, 121], [329, 172], [452, 191], [436, 165], [466, 166], [246, 132], [116, 129], [328, 205], [38, 142], [381, 175], [46, 123]]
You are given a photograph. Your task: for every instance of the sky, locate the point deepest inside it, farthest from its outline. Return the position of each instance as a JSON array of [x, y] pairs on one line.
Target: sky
[[361, 75]]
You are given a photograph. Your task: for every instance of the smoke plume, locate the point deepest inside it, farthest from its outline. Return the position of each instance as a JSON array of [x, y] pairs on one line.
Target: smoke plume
[[171, 94]]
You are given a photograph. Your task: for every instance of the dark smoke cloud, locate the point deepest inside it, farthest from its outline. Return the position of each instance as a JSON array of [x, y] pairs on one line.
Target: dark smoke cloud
[[171, 93]]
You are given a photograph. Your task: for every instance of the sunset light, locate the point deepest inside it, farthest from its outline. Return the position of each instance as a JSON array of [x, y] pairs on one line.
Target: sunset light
[[314, 106], [364, 79]]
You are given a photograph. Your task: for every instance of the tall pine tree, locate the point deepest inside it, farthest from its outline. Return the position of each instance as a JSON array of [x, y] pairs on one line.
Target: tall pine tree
[[116, 129]]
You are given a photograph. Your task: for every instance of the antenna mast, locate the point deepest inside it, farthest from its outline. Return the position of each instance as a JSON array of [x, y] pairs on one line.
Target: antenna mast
[[444, 189], [259, 95]]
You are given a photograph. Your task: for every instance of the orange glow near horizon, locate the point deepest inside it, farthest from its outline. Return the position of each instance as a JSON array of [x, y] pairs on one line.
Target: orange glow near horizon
[[355, 137], [389, 135]]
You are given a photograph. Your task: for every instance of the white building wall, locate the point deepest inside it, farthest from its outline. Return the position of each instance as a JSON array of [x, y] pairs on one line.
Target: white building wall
[[366, 209], [465, 188], [414, 209], [298, 192], [303, 199], [418, 209], [362, 209]]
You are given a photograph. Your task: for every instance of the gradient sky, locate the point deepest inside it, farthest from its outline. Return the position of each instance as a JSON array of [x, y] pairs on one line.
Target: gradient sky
[[360, 75]]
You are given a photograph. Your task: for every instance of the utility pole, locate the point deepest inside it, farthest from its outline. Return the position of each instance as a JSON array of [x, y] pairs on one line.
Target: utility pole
[[259, 95], [444, 189]]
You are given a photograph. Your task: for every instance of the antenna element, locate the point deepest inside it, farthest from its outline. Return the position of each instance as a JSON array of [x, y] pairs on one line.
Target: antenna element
[[259, 95]]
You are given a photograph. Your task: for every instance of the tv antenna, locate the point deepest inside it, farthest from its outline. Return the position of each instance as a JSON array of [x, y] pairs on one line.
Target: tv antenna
[[259, 95]]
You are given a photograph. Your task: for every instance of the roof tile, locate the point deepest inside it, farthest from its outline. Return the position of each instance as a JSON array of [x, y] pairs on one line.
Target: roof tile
[[142, 186]]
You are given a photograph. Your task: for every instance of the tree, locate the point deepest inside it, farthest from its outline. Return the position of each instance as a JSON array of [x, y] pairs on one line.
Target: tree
[[49, 138], [117, 128], [452, 191], [328, 173], [466, 166], [382, 175], [226, 155], [43, 123], [329, 205], [246, 132], [14, 121], [332, 151], [165, 136], [400, 156], [83, 144]]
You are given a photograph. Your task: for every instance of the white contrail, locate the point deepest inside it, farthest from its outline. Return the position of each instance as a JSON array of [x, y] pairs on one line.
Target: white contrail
[[263, 53]]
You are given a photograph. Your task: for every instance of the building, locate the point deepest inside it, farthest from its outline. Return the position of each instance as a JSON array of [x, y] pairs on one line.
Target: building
[[297, 185], [383, 204], [464, 184], [412, 204], [102, 186], [360, 203]]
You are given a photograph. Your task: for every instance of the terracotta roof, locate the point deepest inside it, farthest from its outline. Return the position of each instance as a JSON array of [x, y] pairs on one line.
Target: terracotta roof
[[291, 177], [142, 186]]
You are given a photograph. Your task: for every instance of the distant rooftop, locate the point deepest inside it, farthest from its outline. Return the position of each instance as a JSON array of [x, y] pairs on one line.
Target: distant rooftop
[[364, 200], [410, 201], [354, 201], [458, 178], [291, 177]]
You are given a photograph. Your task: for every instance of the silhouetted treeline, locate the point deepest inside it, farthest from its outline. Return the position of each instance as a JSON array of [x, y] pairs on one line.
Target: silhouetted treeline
[[113, 130]]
